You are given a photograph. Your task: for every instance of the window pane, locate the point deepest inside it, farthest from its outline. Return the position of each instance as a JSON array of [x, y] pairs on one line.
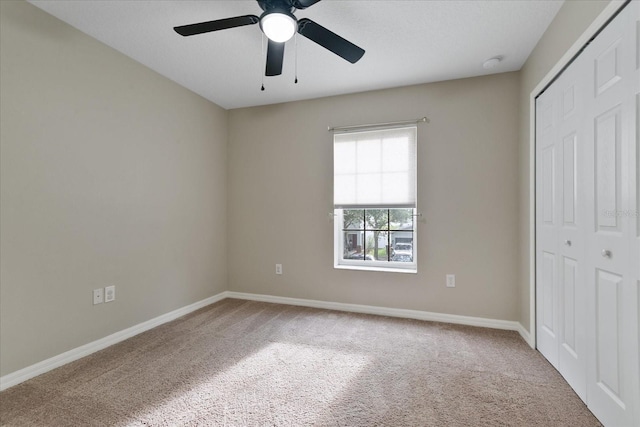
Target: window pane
[[377, 219], [353, 245], [401, 219], [381, 235], [402, 246], [376, 245], [353, 219]]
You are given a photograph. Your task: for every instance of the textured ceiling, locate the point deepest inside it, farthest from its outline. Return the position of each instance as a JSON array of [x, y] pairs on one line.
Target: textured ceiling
[[406, 42]]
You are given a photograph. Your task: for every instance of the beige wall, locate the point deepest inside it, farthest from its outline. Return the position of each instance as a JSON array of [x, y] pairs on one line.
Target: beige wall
[[110, 174], [572, 20], [280, 194]]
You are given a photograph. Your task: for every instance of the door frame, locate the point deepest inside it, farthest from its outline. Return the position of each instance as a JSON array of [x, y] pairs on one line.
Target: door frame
[[591, 31]]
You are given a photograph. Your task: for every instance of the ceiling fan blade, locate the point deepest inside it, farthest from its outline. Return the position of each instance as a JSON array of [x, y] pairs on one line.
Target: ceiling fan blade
[[330, 40], [275, 57], [219, 24], [303, 4]]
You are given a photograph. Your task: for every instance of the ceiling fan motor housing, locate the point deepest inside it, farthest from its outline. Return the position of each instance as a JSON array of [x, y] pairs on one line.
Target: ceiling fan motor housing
[[290, 5], [276, 5]]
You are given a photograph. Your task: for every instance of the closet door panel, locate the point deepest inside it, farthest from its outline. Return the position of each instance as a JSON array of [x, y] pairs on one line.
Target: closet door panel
[[548, 293], [608, 315], [548, 185], [571, 271], [612, 291], [548, 218], [607, 67], [634, 159], [568, 310], [608, 171], [569, 170]]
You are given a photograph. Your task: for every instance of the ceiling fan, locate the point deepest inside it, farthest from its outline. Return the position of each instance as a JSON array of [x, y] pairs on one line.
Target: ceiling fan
[[279, 24]]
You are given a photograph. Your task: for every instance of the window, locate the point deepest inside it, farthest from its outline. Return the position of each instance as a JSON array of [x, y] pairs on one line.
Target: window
[[375, 199]]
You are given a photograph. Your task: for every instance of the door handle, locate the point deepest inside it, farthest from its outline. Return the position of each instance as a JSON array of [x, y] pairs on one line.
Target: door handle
[[606, 253], [567, 242]]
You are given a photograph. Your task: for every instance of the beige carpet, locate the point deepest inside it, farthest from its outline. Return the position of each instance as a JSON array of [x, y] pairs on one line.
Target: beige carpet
[[241, 363]]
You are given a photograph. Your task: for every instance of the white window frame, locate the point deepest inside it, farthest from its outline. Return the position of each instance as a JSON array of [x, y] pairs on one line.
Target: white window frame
[[370, 265], [375, 265]]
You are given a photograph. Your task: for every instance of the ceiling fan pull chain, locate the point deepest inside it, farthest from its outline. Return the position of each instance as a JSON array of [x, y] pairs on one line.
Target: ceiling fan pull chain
[[262, 59], [295, 40]]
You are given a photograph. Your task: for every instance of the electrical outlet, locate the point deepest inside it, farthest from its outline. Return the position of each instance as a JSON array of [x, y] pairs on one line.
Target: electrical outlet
[[98, 296], [109, 293], [451, 280], [278, 268]]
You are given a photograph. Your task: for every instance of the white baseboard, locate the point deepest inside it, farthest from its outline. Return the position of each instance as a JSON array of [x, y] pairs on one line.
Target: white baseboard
[[384, 311], [39, 368], [526, 336]]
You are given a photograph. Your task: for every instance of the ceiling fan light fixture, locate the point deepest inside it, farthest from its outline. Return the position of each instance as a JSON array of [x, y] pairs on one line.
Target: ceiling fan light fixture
[[279, 26]]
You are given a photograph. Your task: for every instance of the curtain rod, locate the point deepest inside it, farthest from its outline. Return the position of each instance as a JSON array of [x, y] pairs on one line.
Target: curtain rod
[[373, 125]]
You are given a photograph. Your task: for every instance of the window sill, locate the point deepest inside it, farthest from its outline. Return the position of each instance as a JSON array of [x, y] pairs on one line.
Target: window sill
[[372, 268]]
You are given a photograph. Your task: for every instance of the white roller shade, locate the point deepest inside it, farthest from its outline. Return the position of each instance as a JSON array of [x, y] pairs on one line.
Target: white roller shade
[[375, 168]]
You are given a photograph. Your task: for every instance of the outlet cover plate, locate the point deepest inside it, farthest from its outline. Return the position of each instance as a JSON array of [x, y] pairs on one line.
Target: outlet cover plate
[[451, 280], [98, 296], [109, 293]]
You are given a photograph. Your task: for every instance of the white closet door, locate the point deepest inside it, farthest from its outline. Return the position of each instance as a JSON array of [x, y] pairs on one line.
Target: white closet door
[[588, 222], [572, 344], [634, 160], [561, 297], [612, 292], [547, 218]]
